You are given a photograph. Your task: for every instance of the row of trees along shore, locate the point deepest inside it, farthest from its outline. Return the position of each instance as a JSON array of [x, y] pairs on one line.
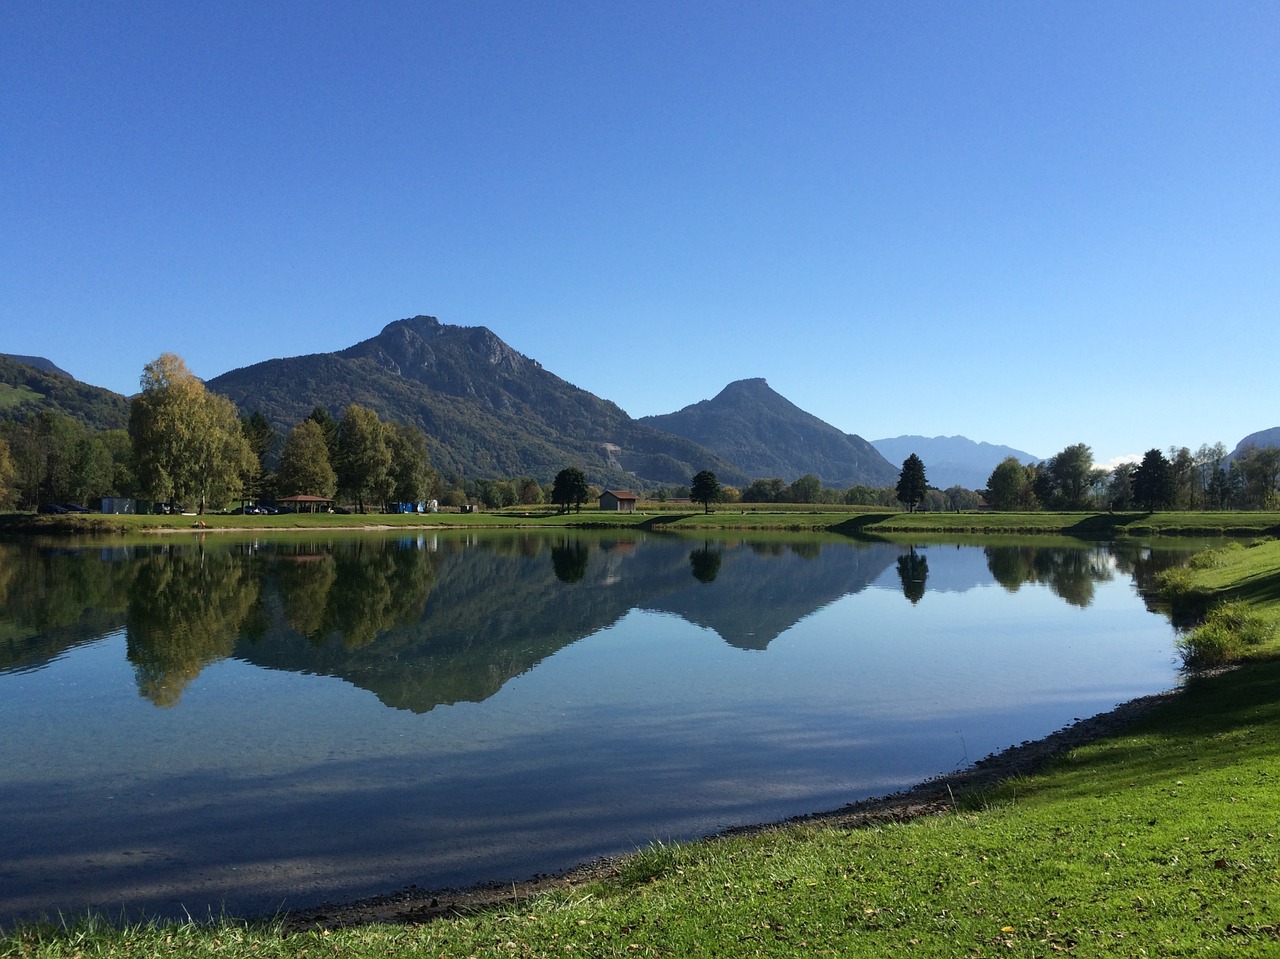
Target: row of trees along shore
[[188, 447]]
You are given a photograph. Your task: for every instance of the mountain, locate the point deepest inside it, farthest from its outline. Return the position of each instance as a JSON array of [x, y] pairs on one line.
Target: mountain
[[487, 410], [30, 384], [768, 436], [40, 363], [1259, 439], [951, 460]]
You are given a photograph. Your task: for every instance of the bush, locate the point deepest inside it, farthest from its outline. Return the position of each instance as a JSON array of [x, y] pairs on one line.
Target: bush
[[1213, 558], [1228, 630]]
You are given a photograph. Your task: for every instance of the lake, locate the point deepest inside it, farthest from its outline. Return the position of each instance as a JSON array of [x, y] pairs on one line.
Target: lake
[[206, 723]]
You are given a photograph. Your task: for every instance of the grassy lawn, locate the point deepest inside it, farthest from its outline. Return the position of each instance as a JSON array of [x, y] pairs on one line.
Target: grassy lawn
[[851, 520], [1163, 840]]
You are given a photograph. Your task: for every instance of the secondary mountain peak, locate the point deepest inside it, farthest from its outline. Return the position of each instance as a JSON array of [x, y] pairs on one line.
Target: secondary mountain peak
[[751, 424]]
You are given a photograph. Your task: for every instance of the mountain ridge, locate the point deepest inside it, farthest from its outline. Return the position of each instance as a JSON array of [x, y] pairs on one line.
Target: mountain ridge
[[951, 460], [752, 425], [27, 388], [486, 409]]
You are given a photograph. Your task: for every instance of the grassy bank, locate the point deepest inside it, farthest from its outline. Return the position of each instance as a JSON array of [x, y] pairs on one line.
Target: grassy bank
[[655, 515], [1161, 840]]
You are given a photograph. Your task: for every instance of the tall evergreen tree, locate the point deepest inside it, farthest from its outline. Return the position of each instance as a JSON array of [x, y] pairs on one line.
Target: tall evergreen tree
[[1153, 482], [911, 483]]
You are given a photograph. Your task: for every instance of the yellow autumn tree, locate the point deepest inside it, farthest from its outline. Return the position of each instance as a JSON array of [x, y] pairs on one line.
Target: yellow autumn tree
[[187, 442]]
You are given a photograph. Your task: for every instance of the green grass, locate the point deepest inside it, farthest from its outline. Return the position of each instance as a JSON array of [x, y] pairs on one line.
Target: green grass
[[847, 520], [11, 396], [1160, 841]]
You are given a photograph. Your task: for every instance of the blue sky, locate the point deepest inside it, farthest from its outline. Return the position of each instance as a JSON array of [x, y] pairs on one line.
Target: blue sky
[[1033, 224]]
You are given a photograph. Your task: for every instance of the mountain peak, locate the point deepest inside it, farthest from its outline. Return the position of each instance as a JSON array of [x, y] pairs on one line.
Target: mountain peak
[[750, 383], [424, 326], [750, 424]]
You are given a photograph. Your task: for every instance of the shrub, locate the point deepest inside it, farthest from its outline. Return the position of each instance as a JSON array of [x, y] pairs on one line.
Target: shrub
[[1213, 558], [1228, 630]]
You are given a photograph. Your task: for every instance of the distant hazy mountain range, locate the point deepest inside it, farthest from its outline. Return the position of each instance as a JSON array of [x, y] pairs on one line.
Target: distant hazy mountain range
[[951, 460], [489, 411]]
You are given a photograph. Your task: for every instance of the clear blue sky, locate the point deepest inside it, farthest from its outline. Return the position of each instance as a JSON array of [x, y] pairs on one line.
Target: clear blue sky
[[1030, 223]]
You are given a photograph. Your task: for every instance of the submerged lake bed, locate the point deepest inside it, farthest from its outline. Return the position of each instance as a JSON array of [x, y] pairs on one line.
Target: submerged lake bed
[[201, 725]]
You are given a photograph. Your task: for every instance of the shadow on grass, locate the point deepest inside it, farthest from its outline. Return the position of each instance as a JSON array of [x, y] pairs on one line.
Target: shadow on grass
[[858, 524], [664, 519], [1104, 525], [1260, 589], [1219, 720]]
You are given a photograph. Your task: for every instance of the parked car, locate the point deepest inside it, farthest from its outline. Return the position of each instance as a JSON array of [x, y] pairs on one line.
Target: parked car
[[51, 508]]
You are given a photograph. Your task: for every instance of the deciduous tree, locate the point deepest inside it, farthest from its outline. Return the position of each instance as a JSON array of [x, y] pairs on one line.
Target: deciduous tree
[[1120, 486], [364, 460], [304, 463], [6, 476], [1260, 468], [705, 489], [806, 489], [1073, 476], [570, 489], [412, 478], [187, 442], [1009, 485]]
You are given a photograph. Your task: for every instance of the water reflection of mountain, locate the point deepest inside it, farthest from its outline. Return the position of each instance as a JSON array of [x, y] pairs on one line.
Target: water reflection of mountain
[[500, 605], [447, 618], [760, 589]]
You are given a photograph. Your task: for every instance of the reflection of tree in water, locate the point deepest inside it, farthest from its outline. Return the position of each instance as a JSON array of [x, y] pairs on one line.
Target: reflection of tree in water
[[1145, 564], [304, 581], [186, 610], [1071, 573], [807, 550], [913, 570], [57, 594], [569, 560], [375, 587], [704, 563]]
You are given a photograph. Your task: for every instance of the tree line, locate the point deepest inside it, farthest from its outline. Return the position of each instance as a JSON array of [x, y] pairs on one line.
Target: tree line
[[189, 447], [1206, 479]]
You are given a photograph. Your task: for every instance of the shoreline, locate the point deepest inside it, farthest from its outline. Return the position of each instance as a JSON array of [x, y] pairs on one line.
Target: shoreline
[[933, 797]]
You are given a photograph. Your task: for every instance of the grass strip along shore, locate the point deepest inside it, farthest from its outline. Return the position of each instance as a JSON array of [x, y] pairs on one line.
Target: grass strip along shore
[[1159, 838], [850, 520]]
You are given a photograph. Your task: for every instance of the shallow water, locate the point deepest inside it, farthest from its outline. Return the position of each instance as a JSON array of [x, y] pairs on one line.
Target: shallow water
[[213, 725]]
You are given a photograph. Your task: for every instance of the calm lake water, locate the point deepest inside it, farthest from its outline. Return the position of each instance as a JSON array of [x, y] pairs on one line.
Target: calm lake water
[[213, 724]]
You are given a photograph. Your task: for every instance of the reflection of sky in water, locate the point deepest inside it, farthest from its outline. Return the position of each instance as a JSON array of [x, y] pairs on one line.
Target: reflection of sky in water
[[264, 784]]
